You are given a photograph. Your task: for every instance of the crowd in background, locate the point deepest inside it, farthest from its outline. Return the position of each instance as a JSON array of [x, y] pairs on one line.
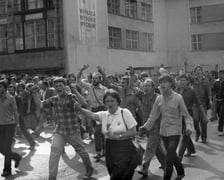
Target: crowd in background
[[137, 92]]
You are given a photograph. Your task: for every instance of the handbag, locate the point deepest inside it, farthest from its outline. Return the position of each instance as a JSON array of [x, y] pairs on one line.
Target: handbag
[[137, 150]]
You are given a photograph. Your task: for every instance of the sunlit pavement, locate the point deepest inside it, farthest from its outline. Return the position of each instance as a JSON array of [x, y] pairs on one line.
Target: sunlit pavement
[[206, 164]]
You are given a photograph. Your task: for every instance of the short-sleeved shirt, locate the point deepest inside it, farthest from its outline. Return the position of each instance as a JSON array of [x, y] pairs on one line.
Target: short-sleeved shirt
[[8, 110], [115, 122], [65, 115]]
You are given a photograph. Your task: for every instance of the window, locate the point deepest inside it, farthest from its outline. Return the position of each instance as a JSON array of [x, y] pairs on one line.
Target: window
[[3, 38], [51, 32], [131, 8], [132, 38], [195, 15], [2, 7], [196, 42], [19, 36], [147, 41], [146, 12], [17, 5], [113, 6], [35, 34], [34, 4], [114, 37]]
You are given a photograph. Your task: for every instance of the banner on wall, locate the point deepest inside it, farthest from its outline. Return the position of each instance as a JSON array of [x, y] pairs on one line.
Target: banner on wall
[[87, 20]]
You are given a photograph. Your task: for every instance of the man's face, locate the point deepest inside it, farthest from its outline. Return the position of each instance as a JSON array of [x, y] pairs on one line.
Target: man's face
[[165, 86], [147, 87], [183, 82], [221, 76], [2, 90], [198, 71], [124, 83], [96, 80], [11, 91], [60, 88]]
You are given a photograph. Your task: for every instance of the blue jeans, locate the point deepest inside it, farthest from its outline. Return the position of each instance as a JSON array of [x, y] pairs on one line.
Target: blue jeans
[[57, 148]]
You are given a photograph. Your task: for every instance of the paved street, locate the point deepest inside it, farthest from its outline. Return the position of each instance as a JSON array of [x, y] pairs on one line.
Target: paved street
[[207, 164]]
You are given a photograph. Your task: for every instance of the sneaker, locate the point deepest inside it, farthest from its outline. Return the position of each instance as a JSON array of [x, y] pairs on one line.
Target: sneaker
[[221, 133], [144, 173], [6, 174], [89, 173], [179, 177], [204, 141], [18, 161]]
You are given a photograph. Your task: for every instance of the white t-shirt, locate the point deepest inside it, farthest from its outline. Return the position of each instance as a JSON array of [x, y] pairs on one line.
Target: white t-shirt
[[114, 122]]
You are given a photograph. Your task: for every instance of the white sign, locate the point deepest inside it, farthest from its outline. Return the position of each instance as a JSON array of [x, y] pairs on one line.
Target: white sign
[[87, 20]]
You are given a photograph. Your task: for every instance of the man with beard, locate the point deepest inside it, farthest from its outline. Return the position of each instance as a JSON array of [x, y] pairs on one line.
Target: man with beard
[[8, 120], [190, 98], [67, 126], [153, 145], [171, 107], [96, 91]]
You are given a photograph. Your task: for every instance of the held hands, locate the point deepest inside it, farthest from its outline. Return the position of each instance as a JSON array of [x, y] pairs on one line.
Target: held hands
[[77, 106], [189, 129], [142, 131]]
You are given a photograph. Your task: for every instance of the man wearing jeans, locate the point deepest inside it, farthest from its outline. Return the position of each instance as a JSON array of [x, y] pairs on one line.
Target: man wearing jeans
[[67, 127], [8, 120], [171, 107]]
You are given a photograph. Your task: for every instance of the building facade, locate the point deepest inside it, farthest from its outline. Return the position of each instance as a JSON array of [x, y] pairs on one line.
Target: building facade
[[59, 36]]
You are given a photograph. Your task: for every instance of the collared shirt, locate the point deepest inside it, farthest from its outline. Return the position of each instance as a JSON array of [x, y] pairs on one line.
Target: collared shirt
[[65, 115], [115, 123], [96, 93], [190, 97], [8, 110], [171, 110]]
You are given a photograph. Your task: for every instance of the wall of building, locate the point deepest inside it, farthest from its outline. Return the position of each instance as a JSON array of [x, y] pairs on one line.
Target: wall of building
[[213, 32]]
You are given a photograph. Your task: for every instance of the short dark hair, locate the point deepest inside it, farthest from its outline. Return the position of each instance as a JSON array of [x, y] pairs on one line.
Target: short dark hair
[[112, 93], [3, 83], [59, 79], [166, 78], [198, 66], [221, 71]]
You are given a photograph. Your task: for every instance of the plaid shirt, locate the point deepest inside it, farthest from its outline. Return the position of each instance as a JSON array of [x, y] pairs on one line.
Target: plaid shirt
[[65, 115]]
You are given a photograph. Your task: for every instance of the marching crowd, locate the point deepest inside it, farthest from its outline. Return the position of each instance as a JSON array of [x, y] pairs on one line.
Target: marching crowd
[[162, 106]]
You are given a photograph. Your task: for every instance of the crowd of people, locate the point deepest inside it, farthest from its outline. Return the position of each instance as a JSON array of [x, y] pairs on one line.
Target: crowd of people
[[110, 110]]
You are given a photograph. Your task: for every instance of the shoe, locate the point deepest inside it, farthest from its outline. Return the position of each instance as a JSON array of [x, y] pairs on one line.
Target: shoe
[[221, 133], [89, 173], [144, 173], [18, 161], [188, 154], [203, 141], [6, 173], [179, 177], [196, 138]]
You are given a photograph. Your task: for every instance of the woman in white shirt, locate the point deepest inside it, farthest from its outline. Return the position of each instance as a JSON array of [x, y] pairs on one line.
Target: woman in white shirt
[[118, 131]]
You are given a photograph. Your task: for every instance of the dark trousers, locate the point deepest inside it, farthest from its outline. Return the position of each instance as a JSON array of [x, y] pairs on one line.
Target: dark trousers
[[25, 132], [171, 143], [200, 124], [186, 142], [118, 159], [220, 110], [99, 137], [6, 137]]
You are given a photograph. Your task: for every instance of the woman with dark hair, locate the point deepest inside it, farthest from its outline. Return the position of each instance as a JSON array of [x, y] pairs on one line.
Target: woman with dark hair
[[118, 126]]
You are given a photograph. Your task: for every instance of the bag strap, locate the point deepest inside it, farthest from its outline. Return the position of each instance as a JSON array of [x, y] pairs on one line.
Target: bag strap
[[94, 93], [122, 114]]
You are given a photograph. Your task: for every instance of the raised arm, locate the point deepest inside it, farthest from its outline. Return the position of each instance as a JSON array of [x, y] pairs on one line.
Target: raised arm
[[79, 77]]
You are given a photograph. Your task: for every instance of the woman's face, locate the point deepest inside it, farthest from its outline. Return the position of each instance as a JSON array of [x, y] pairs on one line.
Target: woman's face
[[111, 104]]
